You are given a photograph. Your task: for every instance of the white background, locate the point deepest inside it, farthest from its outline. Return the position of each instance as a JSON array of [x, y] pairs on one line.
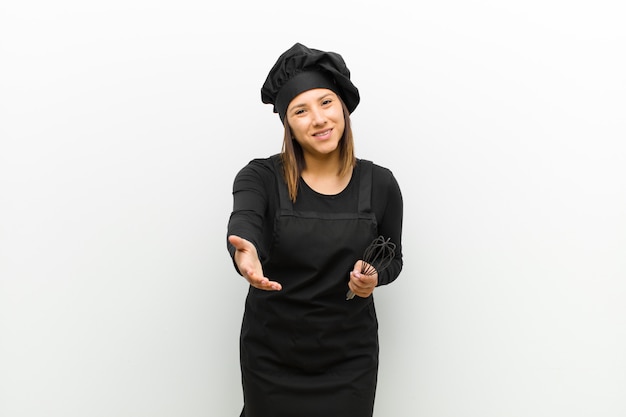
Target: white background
[[123, 124]]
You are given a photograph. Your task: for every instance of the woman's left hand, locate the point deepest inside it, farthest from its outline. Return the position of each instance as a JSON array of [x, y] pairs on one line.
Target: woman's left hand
[[361, 284]]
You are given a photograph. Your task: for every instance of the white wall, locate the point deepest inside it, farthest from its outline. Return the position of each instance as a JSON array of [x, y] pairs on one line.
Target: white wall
[[122, 125]]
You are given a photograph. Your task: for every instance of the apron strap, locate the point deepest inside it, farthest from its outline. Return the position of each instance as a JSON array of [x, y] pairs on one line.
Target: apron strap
[[285, 202], [365, 186]]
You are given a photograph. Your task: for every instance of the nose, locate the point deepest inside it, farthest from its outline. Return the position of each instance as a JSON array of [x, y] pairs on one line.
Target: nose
[[319, 117]]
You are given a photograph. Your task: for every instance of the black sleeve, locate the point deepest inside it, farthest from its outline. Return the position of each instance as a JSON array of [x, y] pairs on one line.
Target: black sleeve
[[388, 207], [253, 190]]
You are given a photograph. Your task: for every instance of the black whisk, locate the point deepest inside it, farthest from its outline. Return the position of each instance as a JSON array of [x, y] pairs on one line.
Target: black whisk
[[376, 257]]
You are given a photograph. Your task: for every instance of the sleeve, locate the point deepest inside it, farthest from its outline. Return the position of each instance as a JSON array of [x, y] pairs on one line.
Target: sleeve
[[251, 193], [389, 212]]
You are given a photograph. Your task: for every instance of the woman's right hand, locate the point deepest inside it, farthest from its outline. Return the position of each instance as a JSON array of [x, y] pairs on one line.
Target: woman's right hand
[[249, 265]]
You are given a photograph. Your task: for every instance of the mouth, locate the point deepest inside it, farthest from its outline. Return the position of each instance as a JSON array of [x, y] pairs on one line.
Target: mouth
[[323, 134]]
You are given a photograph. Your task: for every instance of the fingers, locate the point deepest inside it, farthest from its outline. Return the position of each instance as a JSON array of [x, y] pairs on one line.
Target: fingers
[[361, 284], [257, 280], [264, 284]]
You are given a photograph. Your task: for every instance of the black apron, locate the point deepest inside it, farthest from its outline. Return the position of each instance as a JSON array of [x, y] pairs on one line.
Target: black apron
[[306, 351]]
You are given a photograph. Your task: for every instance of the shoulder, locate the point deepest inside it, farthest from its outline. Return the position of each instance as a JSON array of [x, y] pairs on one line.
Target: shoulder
[[258, 178], [261, 164], [259, 169], [384, 182], [380, 174]]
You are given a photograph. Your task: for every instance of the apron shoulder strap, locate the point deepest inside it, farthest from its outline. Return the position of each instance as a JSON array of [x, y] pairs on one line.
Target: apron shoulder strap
[[283, 192], [365, 186]]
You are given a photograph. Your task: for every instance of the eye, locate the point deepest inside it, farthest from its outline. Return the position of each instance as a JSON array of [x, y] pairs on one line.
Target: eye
[[327, 101], [298, 112]]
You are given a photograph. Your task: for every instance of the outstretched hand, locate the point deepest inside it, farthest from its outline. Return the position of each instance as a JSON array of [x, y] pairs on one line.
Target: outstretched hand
[[249, 265]]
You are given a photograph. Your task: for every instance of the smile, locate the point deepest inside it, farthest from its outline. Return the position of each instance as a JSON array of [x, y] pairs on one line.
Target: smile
[[324, 133]]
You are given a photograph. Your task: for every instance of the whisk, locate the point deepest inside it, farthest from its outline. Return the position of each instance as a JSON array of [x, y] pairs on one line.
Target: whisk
[[376, 257]]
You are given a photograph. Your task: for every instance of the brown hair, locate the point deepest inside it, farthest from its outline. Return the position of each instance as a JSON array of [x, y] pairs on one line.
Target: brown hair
[[293, 158]]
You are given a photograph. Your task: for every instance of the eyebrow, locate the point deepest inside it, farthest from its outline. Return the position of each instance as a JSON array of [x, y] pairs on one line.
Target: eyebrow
[[295, 106]]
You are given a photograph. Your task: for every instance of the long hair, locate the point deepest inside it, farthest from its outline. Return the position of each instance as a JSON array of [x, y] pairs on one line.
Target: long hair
[[293, 158]]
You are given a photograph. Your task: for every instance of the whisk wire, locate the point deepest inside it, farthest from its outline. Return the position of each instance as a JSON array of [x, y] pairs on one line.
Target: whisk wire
[[376, 257]]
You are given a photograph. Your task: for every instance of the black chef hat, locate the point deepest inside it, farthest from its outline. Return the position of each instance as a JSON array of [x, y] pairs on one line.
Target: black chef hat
[[300, 69]]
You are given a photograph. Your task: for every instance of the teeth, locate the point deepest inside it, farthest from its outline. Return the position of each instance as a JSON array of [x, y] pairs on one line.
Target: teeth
[[322, 133]]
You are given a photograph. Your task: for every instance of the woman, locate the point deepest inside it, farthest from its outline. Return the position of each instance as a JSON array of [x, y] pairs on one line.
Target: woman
[[300, 224]]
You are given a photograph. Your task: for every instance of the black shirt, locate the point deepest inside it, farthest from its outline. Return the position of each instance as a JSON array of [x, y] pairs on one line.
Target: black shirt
[[256, 200]]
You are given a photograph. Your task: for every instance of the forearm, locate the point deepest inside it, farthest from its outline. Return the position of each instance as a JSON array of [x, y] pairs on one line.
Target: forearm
[[390, 227]]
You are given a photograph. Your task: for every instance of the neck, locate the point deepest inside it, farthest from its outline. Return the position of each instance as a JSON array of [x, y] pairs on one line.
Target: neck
[[323, 175], [325, 166]]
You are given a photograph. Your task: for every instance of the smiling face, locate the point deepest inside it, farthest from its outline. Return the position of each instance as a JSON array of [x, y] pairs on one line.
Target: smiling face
[[317, 122]]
